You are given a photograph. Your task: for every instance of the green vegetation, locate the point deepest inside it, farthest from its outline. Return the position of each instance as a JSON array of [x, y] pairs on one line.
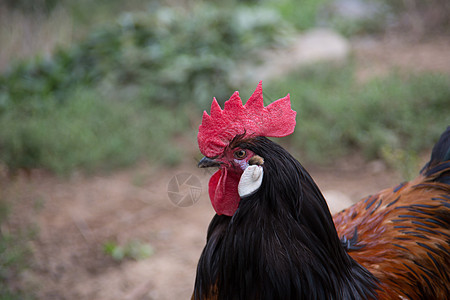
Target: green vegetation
[[133, 250], [167, 54], [127, 91], [88, 132], [14, 257], [122, 94], [337, 115], [303, 15]]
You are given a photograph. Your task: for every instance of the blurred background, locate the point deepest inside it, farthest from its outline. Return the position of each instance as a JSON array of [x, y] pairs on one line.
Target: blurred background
[[100, 103]]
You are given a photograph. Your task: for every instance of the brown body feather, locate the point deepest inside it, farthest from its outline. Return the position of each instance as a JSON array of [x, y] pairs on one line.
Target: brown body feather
[[403, 236]]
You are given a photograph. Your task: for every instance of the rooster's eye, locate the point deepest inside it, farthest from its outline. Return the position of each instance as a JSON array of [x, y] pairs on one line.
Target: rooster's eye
[[240, 154]]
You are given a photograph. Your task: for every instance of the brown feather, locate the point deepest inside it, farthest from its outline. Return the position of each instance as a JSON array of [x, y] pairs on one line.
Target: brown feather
[[404, 235]]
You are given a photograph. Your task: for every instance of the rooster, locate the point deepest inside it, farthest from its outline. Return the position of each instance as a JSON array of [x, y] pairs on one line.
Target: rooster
[[273, 236]]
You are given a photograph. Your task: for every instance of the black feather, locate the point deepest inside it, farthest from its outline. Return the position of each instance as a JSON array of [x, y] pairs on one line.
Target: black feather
[[440, 159], [281, 242]]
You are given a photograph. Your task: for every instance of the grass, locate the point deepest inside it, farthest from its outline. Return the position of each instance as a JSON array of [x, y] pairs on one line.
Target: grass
[[104, 128], [90, 132], [14, 257], [135, 249], [121, 94], [30, 28], [337, 116], [104, 97], [301, 14]]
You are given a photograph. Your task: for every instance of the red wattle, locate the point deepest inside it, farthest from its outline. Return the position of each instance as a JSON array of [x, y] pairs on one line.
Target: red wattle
[[223, 192]]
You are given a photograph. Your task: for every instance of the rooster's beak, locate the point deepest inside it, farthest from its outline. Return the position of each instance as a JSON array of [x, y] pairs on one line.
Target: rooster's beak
[[206, 162]]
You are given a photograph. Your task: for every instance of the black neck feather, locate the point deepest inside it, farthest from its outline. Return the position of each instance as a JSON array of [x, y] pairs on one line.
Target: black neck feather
[[281, 243]]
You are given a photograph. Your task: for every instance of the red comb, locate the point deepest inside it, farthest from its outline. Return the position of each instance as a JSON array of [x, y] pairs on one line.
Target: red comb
[[251, 119]]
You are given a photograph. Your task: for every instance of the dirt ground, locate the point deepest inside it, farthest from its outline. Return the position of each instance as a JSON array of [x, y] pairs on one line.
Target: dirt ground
[[75, 217]]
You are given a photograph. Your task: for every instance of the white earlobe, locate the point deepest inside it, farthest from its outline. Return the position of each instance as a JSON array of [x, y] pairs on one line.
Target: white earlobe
[[250, 180]]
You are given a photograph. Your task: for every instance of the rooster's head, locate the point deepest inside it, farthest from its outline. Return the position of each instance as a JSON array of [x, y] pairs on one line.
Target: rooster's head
[[222, 133]]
